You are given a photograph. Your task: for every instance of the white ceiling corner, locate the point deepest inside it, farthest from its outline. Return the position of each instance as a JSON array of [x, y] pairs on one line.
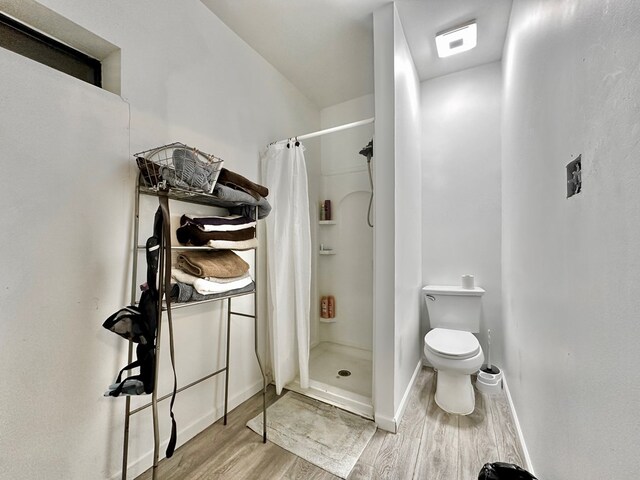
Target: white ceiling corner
[[325, 47]]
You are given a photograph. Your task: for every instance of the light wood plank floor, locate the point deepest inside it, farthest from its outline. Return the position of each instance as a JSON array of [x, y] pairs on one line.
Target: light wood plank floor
[[430, 445]]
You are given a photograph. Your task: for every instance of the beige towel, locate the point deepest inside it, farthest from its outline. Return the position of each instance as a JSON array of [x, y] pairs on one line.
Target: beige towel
[[217, 263]]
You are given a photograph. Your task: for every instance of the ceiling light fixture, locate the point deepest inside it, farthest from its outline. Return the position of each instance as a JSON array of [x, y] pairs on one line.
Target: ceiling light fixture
[[457, 40]]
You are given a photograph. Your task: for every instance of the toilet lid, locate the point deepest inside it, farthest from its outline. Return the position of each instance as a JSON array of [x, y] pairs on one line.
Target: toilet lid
[[452, 343]]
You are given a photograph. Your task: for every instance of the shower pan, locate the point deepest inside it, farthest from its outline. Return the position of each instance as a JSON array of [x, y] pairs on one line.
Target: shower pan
[[340, 375], [340, 359]]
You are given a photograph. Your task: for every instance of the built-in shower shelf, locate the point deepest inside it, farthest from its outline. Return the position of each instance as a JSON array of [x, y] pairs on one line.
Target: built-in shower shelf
[[326, 222], [327, 252], [327, 320]]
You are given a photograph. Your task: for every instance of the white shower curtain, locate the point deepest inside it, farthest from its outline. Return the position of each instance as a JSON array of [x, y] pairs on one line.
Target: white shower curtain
[[288, 262]]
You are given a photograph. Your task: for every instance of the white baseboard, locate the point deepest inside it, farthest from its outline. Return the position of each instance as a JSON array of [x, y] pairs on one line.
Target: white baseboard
[[385, 423], [143, 463], [525, 452], [391, 424]]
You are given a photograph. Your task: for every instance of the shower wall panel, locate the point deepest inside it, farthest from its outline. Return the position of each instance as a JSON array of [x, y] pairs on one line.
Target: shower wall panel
[[347, 275]]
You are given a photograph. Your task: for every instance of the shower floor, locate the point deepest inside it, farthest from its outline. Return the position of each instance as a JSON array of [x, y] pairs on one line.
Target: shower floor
[[352, 392]]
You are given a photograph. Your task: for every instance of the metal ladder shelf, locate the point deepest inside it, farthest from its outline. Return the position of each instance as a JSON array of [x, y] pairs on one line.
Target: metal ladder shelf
[[202, 199]]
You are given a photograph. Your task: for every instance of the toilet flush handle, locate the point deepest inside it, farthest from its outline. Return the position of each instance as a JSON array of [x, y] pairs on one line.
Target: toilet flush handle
[[431, 297]]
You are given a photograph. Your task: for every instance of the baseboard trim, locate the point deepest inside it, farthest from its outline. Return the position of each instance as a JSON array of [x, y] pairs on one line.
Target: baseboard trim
[[525, 452], [385, 423], [391, 424], [144, 462]]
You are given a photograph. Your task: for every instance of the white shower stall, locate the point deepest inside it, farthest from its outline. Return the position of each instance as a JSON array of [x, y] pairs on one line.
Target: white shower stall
[[340, 360]]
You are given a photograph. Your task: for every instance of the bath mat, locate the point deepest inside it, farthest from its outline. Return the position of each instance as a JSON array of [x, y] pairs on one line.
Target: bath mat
[[322, 434]]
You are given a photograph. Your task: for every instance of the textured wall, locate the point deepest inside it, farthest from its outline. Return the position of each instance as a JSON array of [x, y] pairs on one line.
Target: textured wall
[[67, 191], [397, 242], [461, 194], [408, 207], [570, 266], [384, 240]]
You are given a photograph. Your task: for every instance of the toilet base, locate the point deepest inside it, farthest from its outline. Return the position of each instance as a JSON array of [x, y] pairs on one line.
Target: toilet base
[[454, 393]]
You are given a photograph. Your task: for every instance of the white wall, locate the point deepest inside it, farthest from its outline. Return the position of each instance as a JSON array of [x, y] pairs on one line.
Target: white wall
[[397, 236], [384, 220], [570, 266], [67, 188], [461, 194], [408, 207], [348, 275]]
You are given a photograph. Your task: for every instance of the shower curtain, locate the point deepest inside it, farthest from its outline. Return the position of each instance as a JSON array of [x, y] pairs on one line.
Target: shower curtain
[[288, 262]]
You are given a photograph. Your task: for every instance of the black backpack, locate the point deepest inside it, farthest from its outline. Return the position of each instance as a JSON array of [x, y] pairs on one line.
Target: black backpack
[[138, 323], [504, 471]]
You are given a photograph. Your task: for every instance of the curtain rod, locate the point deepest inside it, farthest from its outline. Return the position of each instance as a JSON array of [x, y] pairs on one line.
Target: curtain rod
[[329, 130]]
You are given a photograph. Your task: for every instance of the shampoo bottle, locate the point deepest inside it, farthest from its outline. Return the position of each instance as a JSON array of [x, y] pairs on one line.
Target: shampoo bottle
[[324, 307]]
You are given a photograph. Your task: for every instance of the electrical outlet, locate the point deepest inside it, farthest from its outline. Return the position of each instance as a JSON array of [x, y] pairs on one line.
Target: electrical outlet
[[574, 177]]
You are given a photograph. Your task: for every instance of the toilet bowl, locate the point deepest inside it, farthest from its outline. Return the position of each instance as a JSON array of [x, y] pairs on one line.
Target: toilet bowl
[[456, 355]]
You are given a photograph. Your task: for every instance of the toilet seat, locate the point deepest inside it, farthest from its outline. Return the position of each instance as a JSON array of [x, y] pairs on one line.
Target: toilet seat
[[453, 344]]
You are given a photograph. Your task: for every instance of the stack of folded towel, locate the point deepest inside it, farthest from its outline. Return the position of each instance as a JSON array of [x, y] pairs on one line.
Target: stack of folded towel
[[204, 275], [234, 232], [240, 195]]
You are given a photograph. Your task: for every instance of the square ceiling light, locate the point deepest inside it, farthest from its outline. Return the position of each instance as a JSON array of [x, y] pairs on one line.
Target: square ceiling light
[[457, 40]]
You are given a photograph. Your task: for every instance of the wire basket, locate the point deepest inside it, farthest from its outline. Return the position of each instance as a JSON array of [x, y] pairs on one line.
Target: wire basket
[[179, 166]]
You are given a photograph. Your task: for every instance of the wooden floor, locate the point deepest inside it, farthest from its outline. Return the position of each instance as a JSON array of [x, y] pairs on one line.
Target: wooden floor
[[430, 445]]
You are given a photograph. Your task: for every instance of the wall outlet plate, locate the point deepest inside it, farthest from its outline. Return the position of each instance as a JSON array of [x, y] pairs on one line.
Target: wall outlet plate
[[574, 177]]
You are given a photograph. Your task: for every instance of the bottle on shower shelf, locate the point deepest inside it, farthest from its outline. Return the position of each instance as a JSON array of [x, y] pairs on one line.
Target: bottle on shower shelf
[[331, 306], [327, 209], [324, 307]]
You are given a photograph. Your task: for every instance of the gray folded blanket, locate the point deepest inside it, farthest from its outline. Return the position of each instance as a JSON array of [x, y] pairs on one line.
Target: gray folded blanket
[[216, 263], [241, 203], [182, 292]]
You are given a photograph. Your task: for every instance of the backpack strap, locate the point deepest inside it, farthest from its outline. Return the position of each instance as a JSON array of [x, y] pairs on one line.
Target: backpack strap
[[118, 390], [166, 240]]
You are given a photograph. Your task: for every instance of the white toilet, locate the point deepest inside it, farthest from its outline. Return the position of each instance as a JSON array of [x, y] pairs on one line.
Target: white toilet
[[450, 346]]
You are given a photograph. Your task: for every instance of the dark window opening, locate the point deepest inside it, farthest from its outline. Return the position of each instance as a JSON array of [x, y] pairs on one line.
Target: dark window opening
[[30, 43]]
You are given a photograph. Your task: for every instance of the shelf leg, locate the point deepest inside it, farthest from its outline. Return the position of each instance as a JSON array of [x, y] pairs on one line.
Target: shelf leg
[[156, 432], [154, 409], [255, 339], [134, 290], [154, 394], [264, 377], [127, 410], [226, 366]]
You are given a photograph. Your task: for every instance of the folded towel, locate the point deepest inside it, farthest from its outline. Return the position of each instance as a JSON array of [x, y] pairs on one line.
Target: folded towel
[[241, 245], [225, 228], [190, 234], [229, 178], [218, 224], [240, 203], [204, 286], [183, 292], [189, 171], [216, 220], [216, 263], [222, 279]]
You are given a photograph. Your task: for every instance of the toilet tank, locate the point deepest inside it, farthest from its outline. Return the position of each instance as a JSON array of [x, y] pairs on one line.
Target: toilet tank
[[452, 307]]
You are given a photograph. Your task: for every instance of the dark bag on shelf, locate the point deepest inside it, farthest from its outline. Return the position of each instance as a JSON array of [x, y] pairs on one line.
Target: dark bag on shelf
[[138, 323], [503, 471]]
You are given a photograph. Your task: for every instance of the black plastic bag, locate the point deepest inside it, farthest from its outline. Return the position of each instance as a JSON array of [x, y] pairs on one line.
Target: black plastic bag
[[503, 471]]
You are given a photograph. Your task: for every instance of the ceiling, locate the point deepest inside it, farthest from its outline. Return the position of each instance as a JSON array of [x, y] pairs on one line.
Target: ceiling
[[325, 47]]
